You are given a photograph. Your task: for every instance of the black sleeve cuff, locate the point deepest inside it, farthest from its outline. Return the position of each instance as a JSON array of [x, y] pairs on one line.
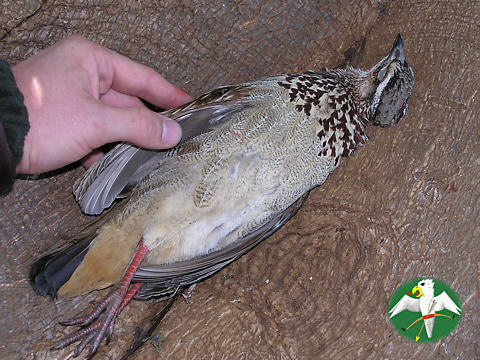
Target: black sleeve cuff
[[13, 127]]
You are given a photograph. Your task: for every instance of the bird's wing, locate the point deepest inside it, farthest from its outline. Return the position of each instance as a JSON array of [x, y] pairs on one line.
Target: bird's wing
[[443, 301], [125, 165], [405, 303], [163, 280]]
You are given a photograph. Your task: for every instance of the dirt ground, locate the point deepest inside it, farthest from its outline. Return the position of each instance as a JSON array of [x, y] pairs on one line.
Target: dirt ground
[[405, 205]]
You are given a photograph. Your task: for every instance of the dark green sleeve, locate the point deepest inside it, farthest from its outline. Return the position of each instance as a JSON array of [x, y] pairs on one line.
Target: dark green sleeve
[[13, 127]]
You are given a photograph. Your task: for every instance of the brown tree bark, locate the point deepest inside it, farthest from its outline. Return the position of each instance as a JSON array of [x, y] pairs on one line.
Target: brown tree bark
[[405, 205]]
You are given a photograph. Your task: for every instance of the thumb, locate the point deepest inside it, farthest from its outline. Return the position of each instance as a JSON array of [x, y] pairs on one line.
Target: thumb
[[140, 126]]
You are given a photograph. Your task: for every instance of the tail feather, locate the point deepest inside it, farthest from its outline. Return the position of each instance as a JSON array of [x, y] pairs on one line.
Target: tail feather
[[50, 272]]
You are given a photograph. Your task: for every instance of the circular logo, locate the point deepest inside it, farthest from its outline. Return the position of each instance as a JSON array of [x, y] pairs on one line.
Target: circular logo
[[424, 310]]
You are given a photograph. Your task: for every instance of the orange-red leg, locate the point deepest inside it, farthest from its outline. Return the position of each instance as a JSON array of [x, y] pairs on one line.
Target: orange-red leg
[[112, 305]]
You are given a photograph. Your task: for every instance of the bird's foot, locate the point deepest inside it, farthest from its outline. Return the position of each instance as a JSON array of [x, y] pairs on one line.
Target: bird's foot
[[99, 324]]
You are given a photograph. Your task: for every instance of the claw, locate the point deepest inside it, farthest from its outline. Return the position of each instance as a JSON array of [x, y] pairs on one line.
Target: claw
[[87, 319], [109, 333], [83, 343], [76, 336], [111, 306], [109, 319]]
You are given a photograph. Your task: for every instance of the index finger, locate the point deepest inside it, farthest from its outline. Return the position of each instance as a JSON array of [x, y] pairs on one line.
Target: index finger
[[129, 77]]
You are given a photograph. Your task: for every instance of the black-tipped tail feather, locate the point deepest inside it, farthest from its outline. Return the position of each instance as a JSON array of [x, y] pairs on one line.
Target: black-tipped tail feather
[[50, 272]]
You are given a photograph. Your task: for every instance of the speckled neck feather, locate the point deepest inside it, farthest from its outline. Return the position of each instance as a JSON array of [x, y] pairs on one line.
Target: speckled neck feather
[[343, 129]]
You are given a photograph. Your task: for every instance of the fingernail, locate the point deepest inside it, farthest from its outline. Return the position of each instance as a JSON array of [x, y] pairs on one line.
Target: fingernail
[[171, 133]]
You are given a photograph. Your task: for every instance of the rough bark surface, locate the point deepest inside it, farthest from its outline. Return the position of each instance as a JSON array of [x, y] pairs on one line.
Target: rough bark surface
[[405, 205]]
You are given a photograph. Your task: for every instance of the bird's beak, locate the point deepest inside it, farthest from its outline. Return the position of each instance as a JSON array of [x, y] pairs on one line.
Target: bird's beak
[[417, 289], [397, 52]]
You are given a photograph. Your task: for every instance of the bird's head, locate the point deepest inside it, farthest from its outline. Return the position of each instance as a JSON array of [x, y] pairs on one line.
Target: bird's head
[[423, 286], [389, 86]]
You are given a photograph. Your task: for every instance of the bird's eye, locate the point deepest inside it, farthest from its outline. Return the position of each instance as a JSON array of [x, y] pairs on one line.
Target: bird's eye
[[421, 284]]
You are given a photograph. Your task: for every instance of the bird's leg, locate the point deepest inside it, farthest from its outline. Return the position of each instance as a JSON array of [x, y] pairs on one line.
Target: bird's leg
[[113, 304]]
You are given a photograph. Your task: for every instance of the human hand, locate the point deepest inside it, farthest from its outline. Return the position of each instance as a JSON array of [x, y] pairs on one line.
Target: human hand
[[80, 96]]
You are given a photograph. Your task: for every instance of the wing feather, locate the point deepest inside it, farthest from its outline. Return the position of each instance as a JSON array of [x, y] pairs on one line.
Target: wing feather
[[127, 164], [405, 303], [443, 301]]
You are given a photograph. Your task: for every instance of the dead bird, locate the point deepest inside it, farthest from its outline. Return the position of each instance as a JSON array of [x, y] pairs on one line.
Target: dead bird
[[250, 153]]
